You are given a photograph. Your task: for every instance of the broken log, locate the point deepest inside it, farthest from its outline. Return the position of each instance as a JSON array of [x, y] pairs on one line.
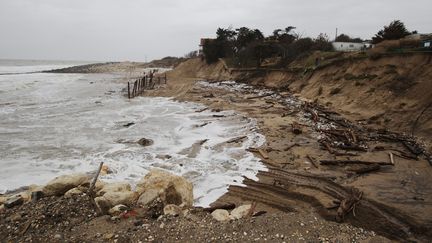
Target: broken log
[[366, 169], [338, 162], [226, 206]]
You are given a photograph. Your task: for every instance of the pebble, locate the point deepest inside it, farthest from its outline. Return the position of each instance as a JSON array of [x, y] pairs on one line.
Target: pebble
[[57, 236]]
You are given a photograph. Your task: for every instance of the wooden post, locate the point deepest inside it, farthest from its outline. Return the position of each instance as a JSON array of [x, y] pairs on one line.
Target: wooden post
[[165, 78], [129, 91]]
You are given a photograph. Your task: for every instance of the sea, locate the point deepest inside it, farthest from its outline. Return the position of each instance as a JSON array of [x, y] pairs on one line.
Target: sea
[[55, 123]]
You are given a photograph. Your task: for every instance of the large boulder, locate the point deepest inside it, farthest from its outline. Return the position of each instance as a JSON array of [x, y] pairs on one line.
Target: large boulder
[[114, 187], [61, 184], [111, 199], [171, 189], [241, 211], [221, 215]]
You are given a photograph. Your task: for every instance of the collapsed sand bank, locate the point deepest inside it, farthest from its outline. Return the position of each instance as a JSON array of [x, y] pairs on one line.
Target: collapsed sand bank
[[395, 200]]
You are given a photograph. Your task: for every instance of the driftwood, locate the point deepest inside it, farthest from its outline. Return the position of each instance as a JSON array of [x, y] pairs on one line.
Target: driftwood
[[263, 153], [291, 146], [391, 158], [218, 116], [259, 213], [338, 162], [259, 96], [201, 110], [226, 206], [312, 160], [366, 169], [90, 191], [348, 204], [235, 140]]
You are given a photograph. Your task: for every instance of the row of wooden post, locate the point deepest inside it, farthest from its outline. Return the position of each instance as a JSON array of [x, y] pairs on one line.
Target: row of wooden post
[[146, 82]]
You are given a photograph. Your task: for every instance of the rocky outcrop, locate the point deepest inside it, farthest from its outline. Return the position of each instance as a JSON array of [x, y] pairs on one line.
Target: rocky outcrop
[[171, 189], [60, 185]]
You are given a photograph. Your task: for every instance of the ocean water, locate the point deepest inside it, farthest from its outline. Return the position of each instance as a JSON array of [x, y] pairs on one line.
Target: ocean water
[[54, 124]]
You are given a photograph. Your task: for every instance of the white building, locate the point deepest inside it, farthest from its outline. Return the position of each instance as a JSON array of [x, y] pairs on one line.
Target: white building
[[350, 46]]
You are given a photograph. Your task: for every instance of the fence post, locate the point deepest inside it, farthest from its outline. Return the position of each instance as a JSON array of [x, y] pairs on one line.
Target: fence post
[[165, 78], [129, 91]]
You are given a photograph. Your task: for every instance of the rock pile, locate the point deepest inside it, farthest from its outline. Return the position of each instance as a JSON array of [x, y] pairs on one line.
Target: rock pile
[[159, 191]]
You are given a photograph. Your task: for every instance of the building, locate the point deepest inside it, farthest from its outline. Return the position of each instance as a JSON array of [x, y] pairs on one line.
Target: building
[[351, 46]]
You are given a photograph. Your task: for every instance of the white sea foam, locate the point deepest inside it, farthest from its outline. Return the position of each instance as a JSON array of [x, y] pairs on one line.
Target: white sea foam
[[52, 124]]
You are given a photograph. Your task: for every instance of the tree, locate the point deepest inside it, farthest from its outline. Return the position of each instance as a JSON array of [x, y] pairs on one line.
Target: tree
[[394, 31], [322, 43], [286, 36], [347, 38], [246, 36]]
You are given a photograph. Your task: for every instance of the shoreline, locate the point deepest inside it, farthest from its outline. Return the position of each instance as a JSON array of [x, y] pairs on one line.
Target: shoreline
[[291, 191]]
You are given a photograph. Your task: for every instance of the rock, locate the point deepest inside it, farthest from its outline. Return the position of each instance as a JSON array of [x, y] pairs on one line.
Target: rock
[[64, 183], [108, 236], [2, 207], [57, 236], [2, 200], [105, 170], [145, 142], [16, 217], [171, 189], [172, 210], [148, 196], [221, 215], [72, 192], [240, 211], [13, 201], [36, 195], [114, 187], [138, 222], [118, 209], [110, 199]]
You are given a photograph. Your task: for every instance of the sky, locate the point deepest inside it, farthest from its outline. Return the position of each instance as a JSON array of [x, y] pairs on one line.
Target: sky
[[143, 30]]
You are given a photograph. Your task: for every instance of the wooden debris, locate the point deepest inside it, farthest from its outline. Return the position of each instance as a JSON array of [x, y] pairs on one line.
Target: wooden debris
[[296, 129], [348, 204], [204, 109], [391, 158], [291, 146], [263, 153], [338, 162], [235, 140], [218, 116], [366, 169], [226, 206], [312, 160], [91, 192], [259, 96], [259, 213], [252, 209]]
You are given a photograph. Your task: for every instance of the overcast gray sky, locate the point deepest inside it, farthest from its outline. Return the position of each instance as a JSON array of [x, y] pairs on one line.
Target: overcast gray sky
[[117, 30]]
